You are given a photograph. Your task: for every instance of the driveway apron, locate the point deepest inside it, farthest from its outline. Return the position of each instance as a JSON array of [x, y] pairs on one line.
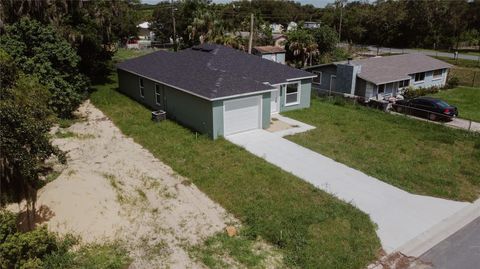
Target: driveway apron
[[400, 215]]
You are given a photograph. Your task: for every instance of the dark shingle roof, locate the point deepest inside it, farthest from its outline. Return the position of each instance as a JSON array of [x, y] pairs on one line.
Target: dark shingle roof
[[212, 71], [398, 67]]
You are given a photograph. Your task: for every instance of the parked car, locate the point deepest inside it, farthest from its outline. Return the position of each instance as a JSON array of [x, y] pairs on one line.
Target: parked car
[[427, 107]]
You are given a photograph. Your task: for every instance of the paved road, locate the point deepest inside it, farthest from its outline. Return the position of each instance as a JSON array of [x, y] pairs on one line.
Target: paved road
[[426, 52], [460, 251], [400, 216]]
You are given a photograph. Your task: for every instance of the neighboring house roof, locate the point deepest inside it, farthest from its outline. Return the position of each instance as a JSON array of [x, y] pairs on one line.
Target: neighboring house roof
[[269, 49], [212, 71], [144, 25], [386, 69]]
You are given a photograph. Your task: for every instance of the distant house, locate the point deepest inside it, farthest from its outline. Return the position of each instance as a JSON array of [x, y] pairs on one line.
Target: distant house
[[214, 89], [292, 26], [144, 31], [380, 77], [311, 25], [279, 40], [272, 53], [276, 28]]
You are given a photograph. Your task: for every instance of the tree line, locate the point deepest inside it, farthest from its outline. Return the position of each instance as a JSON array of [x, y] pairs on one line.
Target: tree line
[[434, 24], [442, 24], [50, 53]]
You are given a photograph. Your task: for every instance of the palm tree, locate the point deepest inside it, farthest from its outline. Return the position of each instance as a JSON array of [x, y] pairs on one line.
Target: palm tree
[[301, 44]]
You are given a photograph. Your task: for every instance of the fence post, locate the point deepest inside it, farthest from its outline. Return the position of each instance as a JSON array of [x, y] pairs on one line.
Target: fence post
[[474, 75], [469, 125]]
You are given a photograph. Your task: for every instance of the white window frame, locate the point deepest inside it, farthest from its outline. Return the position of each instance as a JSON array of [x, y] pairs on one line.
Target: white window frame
[[438, 76], [297, 93], [415, 78], [141, 87], [319, 76], [158, 94]]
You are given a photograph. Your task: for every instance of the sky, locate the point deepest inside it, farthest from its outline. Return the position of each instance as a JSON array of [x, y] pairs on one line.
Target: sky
[[317, 3]]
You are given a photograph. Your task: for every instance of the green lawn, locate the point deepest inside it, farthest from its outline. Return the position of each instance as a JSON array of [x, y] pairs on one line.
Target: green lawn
[[123, 53], [467, 100], [312, 228], [416, 156]]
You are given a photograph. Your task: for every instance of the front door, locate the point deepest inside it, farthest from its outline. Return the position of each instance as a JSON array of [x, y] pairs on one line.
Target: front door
[[275, 101]]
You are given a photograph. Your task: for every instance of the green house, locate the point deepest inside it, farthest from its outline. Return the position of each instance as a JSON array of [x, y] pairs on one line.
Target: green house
[[213, 89]]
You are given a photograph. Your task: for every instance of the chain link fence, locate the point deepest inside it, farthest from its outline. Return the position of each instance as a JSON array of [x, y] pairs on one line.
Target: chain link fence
[[392, 107], [466, 76]]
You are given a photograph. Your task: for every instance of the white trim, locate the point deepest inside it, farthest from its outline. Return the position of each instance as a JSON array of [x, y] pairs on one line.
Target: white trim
[[438, 77], [260, 113], [141, 87], [157, 94], [290, 79], [240, 95], [299, 89]]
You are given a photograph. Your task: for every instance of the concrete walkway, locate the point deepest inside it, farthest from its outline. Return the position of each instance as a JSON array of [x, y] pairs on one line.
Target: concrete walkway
[[400, 216]]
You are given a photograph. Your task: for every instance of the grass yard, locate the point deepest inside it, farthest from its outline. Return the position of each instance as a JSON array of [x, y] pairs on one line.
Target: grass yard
[[123, 53], [416, 156], [467, 100], [312, 228]]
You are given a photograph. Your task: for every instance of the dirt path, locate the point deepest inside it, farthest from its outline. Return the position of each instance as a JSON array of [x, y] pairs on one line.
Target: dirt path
[[115, 189]]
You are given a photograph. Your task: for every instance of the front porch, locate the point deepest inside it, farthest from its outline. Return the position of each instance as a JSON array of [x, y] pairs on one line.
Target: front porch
[[388, 90]]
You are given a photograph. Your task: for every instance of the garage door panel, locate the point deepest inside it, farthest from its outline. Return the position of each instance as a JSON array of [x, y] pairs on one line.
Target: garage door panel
[[242, 115]]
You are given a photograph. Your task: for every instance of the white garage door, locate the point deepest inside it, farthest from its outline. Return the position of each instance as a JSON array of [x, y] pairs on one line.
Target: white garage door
[[241, 115]]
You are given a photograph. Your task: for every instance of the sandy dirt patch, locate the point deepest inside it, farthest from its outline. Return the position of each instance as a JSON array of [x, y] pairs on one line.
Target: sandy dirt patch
[[278, 125], [112, 188]]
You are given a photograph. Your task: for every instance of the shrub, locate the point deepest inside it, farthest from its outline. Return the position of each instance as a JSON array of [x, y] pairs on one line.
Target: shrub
[[39, 50], [40, 248], [452, 82], [411, 92]]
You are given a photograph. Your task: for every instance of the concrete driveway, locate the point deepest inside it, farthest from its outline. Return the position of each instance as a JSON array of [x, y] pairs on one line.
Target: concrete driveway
[[400, 216]]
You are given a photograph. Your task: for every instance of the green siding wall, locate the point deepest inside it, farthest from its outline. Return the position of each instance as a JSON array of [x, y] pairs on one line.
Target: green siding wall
[[194, 112], [191, 111], [217, 109], [305, 88], [266, 109]]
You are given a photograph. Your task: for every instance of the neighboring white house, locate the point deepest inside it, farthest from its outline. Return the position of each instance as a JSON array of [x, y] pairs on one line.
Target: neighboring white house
[[145, 37], [277, 28], [292, 26], [272, 53], [380, 77]]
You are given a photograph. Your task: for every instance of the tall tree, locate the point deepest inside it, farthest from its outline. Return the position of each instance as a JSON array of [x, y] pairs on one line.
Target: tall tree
[[301, 47], [39, 50], [24, 139]]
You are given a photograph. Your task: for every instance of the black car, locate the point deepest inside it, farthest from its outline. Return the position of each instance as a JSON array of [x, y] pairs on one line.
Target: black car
[[427, 107]]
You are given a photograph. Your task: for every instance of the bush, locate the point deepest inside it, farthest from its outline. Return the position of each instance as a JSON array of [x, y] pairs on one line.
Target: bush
[[40, 248], [452, 82], [411, 92], [38, 50]]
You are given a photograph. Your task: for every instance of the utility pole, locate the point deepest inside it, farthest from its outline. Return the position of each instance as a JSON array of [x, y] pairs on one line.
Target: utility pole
[[341, 18], [174, 28], [250, 41]]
